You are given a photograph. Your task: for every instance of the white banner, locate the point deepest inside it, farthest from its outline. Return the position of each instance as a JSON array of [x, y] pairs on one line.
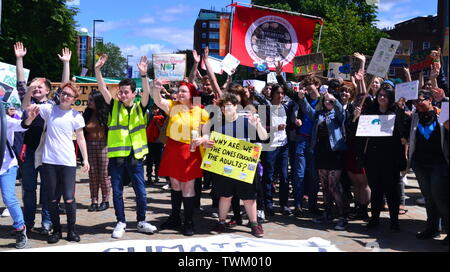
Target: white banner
[[216, 243], [375, 125], [382, 58]]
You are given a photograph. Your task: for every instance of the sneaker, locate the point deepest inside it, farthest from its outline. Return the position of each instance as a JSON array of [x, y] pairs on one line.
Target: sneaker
[[260, 215], [285, 210], [171, 223], [258, 231], [119, 230], [93, 207], [166, 187], [234, 222], [145, 227], [45, 229], [298, 212], [214, 215], [341, 224], [427, 234], [21, 238], [61, 210], [220, 228], [324, 219], [72, 236], [188, 229], [54, 237], [5, 213]]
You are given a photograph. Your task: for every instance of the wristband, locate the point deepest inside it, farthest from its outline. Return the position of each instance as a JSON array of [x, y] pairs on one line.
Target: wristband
[[143, 76]]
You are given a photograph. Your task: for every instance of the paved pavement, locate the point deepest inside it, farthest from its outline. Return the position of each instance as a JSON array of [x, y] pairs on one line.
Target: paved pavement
[[97, 227]]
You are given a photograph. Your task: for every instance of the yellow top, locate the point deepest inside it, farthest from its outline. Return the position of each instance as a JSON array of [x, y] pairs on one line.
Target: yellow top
[[183, 120]]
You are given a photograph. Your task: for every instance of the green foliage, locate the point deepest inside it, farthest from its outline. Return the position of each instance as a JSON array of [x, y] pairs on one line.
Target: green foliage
[[116, 64], [349, 25], [44, 27]]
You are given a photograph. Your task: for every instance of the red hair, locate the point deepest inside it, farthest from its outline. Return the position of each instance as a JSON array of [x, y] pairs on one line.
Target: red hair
[[192, 90]]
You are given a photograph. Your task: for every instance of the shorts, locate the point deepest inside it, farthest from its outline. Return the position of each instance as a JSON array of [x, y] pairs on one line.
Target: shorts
[[228, 187]]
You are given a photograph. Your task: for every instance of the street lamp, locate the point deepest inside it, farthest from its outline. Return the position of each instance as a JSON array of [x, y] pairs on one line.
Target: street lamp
[[93, 44], [128, 74]]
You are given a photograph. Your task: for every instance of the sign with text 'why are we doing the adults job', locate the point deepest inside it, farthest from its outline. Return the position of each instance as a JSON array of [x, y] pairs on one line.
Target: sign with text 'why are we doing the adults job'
[[169, 67], [231, 157]]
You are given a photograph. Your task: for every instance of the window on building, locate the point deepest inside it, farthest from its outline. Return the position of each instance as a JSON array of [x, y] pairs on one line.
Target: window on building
[[203, 45], [204, 25], [426, 45], [214, 35], [203, 35], [213, 45], [214, 24]]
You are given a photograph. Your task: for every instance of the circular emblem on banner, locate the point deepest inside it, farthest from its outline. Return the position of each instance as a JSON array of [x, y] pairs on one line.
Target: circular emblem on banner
[[271, 39]]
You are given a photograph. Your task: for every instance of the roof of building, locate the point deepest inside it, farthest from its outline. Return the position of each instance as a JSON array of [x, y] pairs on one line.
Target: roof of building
[[206, 14]]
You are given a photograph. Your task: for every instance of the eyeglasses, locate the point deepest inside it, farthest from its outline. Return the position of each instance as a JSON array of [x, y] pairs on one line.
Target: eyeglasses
[[329, 101], [67, 95], [420, 100]]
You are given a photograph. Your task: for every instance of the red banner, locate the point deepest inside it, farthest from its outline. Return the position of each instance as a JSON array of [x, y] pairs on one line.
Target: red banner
[[263, 36]]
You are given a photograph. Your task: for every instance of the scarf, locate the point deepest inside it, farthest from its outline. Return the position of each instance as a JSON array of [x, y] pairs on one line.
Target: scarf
[[427, 123]]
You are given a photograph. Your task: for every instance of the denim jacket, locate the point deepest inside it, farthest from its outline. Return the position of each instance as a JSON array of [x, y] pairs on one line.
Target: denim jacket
[[335, 123]]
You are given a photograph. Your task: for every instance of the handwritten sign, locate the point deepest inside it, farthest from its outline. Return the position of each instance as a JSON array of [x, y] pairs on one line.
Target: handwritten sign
[[334, 71], [375, 126], [216, 65], [231, 157], [258, 84], [8, 74], [272, 78], [169, 67], [384, 54], [229, 64], [443, 116], [312, 63], [407, 90]]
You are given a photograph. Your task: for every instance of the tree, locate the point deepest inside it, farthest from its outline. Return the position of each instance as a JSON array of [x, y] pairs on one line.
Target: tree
[[45, 27], [116, 64], [349, 25]]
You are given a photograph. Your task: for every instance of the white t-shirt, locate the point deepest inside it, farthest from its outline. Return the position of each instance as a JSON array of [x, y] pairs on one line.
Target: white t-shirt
[[59, 148], [278, 118], [13, 125]]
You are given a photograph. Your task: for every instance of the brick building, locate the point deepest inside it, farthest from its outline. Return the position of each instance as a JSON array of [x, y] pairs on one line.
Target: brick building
[[211, 29]]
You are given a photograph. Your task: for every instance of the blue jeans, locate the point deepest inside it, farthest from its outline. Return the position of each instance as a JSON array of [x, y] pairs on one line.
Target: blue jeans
[[118, 167], [8, 187], [29, 186], [304, 173], [277, 158], [433, 182]]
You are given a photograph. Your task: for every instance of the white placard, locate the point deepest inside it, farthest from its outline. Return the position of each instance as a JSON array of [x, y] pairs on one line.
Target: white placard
[[216, 65], [333, 71], [272, 78], [229, 63], [407, 90], [443, 116], [384, 54], [375, 125], [258, 84], [8, 74], [169, 67]]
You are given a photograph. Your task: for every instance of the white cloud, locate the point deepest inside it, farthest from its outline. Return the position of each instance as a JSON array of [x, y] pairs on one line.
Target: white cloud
[[147, 20], [176, 10], [179, 38]]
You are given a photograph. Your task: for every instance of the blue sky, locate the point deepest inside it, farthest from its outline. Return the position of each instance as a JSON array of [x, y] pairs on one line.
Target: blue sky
[[143, 27]]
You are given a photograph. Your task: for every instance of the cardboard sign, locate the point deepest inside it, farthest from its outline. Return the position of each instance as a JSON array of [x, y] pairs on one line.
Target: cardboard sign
[[407, 90], [231, 157], [312, 63], [258, 84], [334, 71], [169, 67], [216, 65], [443, 116], [384, 54], [375, 126], [272, 78], [229, 63]]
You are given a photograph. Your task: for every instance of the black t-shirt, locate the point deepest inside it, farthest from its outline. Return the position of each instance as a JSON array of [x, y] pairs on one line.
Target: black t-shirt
[[429, 152]]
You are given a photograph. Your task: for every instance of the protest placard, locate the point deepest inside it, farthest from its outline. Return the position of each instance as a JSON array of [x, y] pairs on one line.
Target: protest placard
[[169, 67], [334, 71], [231, 157], [385, 52], [443, 116], [312, 63], [407, 90], [258, 84], [272, 78], [375, 125], [216, 65], [229, 64], [8, 74]]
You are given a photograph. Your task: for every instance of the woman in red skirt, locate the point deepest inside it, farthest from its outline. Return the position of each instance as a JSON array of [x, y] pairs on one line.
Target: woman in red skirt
[[181, 159]]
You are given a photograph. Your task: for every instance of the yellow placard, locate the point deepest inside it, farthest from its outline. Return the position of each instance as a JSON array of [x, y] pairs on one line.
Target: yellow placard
[[231, 157]]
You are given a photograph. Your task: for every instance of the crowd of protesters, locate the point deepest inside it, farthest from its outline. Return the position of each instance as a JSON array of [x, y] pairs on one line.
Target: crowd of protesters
[[307, 134]]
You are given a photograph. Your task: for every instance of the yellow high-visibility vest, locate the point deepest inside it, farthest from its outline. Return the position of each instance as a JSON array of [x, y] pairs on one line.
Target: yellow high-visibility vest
[[126, 131]]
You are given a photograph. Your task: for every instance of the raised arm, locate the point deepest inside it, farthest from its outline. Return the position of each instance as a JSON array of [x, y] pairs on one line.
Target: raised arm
[[20, 51], [194, 69], [159, 101], [212, 77], [305, 106], [407, 74], [101, 83], [65, 58], [143, 66]]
